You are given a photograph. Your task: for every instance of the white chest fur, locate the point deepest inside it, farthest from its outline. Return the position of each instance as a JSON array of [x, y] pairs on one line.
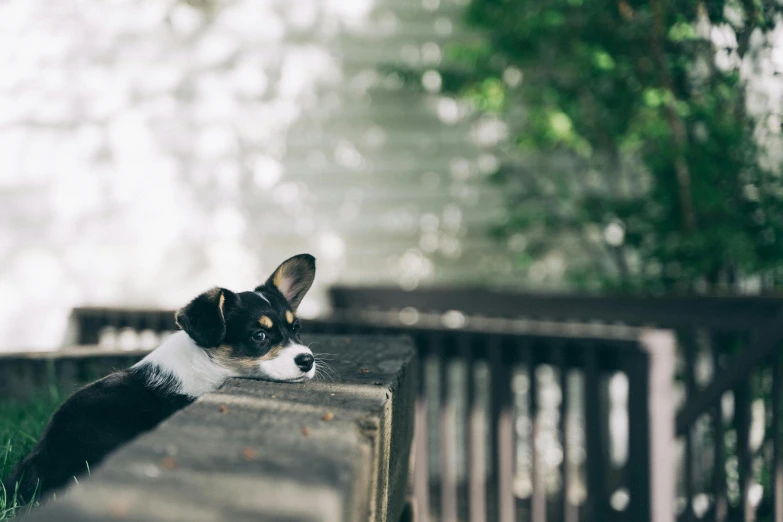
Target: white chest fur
[[188, 363]]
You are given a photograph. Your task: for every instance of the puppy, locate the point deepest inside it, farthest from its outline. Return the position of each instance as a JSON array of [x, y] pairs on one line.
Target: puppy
[[247, 334]]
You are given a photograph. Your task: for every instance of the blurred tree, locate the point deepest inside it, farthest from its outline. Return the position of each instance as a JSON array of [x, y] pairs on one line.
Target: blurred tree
[[632, 133]]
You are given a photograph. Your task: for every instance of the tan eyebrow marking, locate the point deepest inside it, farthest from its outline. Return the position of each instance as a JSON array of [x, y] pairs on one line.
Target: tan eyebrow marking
[[221, 302], [289, 316], [265, 321]]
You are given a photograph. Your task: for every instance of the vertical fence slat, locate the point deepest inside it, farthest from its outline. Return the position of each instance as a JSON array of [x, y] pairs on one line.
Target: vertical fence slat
[[595, 415], [721, 505], [744, 461], [448, 443], [474, 440], [421, 479], [502, 425], [777, 450], [638, 463], [538, 494], [569, 511], [690, 390], [494, 359]]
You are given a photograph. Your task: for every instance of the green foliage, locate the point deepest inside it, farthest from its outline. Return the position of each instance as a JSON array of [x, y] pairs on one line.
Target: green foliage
[[665, 187]]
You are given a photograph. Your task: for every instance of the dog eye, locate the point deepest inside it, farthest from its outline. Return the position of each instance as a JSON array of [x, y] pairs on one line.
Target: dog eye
[[259, 336], [296, 326]]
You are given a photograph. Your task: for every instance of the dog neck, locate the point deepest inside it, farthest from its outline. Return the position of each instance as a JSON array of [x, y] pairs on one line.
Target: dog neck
[[179, 365]]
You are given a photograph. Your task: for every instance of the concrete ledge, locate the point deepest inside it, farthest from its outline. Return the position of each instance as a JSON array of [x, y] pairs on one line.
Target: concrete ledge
[[322, 451]]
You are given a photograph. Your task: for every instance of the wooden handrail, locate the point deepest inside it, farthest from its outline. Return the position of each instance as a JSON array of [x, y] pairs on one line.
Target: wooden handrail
[[763, 316], [716, 312]]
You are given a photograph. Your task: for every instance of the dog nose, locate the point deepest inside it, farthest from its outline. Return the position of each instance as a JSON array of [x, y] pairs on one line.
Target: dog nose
[[304, 361]]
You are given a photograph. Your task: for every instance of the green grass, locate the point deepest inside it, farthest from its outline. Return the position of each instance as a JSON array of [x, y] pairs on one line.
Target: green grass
[[21, 423]]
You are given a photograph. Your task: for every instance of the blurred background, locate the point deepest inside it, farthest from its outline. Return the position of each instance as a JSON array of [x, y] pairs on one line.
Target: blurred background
[[150, 150]]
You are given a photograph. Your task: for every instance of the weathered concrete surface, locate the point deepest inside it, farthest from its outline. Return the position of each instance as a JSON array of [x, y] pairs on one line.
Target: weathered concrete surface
[[329, 450]]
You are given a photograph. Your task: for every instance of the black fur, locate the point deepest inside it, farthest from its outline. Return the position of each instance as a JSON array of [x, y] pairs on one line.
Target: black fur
[[203, 319], [93, 421]]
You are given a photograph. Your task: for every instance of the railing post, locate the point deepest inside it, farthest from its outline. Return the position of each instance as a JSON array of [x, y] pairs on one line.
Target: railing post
[[660, 348], [777, 451], [689, 347], [742, 399], [569, 511], [475, 428], [421, 476], [502, 430], [538, 495], [595, 420], [720, 502], [448, 433], [638, 463]]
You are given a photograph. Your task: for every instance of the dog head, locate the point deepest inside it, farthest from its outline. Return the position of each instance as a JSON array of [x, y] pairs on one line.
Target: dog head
[[256, 334]]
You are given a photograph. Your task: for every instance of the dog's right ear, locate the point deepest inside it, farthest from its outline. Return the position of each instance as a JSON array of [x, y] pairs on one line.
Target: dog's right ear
[[293, 278], [204, 318]]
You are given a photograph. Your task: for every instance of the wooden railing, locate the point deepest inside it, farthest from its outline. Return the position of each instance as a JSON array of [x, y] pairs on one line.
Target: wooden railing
[[450, 410], [751, 327]]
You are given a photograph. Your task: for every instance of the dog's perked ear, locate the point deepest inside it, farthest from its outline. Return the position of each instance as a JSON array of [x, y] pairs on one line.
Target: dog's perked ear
[[293, 278], [204, 318]]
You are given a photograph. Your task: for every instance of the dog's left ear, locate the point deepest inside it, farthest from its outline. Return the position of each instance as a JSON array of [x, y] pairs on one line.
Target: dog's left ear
[[204, 318], [293, 278]]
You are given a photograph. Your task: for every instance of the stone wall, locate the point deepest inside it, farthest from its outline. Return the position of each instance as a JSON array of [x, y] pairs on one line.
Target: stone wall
[[329, 450]]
